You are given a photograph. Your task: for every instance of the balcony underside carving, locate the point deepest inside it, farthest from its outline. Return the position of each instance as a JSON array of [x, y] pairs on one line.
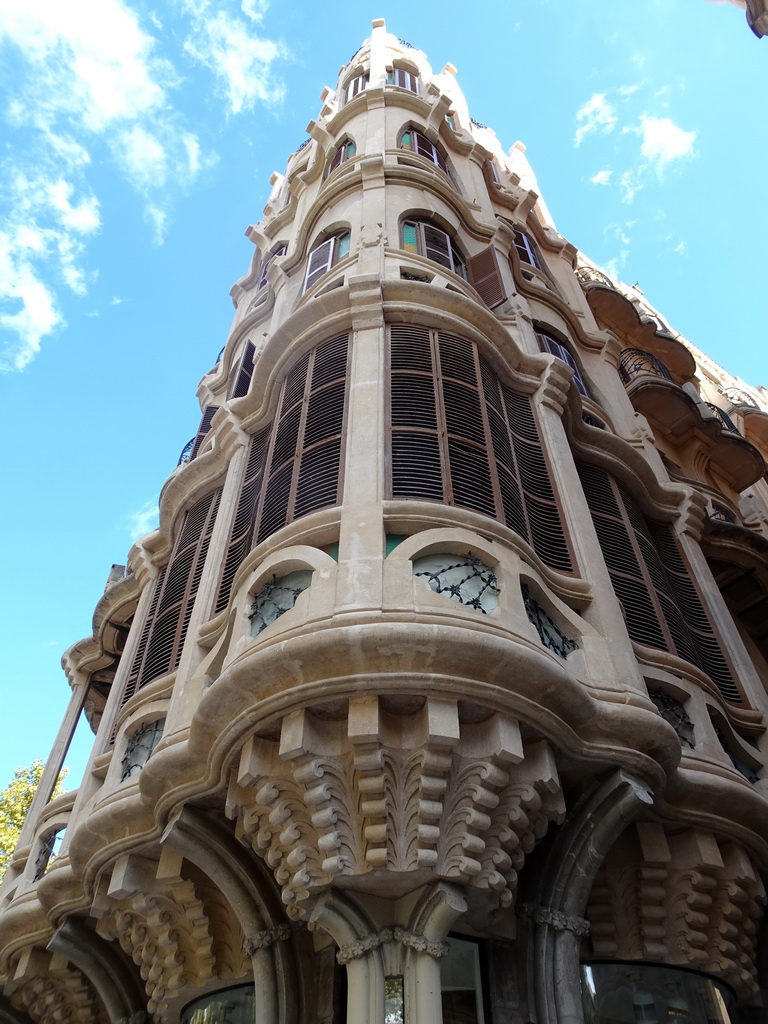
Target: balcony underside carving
[[381, 803]]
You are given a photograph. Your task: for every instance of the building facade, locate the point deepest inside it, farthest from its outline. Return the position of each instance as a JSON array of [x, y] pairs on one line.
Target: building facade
[[439, 694]]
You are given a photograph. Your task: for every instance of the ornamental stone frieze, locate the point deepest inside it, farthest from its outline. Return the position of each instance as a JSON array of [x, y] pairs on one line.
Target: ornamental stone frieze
[[361, 796], [51, 991], [685, 898]]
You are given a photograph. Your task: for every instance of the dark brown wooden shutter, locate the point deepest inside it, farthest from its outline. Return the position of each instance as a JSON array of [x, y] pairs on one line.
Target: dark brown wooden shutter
[[485, 276], [461, 437], [138, 660], [437, 245], [205, 425], [320, 261], [242, 526], [661, 603], [242, 381], [424, 147], [177, 592], [338, 157]]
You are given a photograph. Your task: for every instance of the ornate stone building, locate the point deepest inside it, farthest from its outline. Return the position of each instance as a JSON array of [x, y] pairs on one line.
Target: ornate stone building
[[440, 691]]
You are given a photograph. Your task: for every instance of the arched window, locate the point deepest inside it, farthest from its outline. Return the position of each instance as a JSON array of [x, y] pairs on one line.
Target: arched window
[[355, 86], [424, 238], [417, 142], [556, 348], [460, 436], [526, 250], [323, 257], [404, 79], [661, 601], [281, 250], [344, 152]]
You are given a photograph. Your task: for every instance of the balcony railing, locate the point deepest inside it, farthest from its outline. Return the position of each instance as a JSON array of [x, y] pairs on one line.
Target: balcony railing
[[635, 362], [722, 514], [589, 275], [725, 419], [186, 451]]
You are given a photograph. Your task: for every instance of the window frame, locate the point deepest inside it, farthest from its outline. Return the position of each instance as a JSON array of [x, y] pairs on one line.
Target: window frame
[[526, 249], [352, 89], [549, 343], [325, 256], [410, 80], [424, 245], [419, 144], [343, 152], [280, 250]]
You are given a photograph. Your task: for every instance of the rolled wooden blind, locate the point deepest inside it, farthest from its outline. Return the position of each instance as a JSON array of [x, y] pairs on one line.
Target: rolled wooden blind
[[294, 465], [662, 605], [245, 371], [460, 436], [205, 425], [168, 620]]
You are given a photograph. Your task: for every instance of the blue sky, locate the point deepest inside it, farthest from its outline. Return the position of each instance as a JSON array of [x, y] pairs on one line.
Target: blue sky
[[136, 142]]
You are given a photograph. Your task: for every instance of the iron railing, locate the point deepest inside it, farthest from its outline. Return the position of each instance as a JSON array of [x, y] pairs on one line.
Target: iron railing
[[636, 362], [725, 420], [186, 451], [589, 275], [721, 514]]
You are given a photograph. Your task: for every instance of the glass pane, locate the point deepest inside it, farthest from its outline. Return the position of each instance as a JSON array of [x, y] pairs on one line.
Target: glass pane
[[233, 1006], [394, 1002], [637, 993], [405, 140], [461, 987], [343, 248], [409, 237]]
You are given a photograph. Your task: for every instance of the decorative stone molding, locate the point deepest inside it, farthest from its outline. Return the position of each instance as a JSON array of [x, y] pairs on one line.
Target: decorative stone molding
[[135, 1018], [377, 791], [55, 993], [687, 898], [555, 919], [265, 939], [410, 940]]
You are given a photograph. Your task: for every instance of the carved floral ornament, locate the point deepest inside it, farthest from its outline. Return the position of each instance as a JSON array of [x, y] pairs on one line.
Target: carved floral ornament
[[380, 792]]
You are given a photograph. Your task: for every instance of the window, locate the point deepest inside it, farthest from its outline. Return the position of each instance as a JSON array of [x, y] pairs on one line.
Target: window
[[280, 251], [463, 578], [403, 79], [294, 464], [140, 747], [355, 87], [418, 143], [277, 597], [525, 247], [662, 605], [549, 344], [427, 240], [460, 436], [241, 382], [344, 152], [322, 258]]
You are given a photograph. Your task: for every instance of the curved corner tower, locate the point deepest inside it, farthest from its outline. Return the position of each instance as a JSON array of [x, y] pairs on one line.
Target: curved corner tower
[[439, 692]]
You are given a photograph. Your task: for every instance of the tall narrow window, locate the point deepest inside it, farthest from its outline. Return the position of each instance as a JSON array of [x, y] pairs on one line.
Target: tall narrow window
[[355, 87], [294, 465], [403, 79], [279, 251], [322, 258], [526, 249], [661, 602], [427, 240], [549, 344], [416, 142], [164, 632], [343, 153], [242, 380], [460, 436]]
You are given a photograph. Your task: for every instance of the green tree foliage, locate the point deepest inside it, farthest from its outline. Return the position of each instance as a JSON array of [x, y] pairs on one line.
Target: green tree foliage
[[14, 804]]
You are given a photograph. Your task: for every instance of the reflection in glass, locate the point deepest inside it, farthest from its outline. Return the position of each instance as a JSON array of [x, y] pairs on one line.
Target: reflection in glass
[[461, 987], [394, 1000], [637, 993], [232, 1006]]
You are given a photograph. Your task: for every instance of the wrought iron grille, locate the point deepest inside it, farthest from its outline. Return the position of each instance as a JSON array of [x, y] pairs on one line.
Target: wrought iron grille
[[589, 275], [725, 419], [467, 580], [592, 421], [550, 634], [672, 711], [46, 853], [186, 451], [276, 598], [721, 514], [635, 361], [140, 747], [741, 766]]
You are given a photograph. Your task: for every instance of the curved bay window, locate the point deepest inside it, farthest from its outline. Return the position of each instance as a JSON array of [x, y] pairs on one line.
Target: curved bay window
[[417, 142], [435, 244], [355, 86], [343, 153], [403, 79], [294, 465], [556, 348], [324, 256], [165, 629], [662, 604], [459, 435]]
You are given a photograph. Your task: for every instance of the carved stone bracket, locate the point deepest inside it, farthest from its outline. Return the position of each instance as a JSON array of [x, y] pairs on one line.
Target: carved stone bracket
[[361, 947], [265, 939], [334, 799], [555, 919]]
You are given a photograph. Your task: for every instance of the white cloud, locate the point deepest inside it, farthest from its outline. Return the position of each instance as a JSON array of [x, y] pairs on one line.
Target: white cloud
[[143, 519], [680, 248], [596, 115], [240, 60], [630, 186], [663, 141], [142, 157], [601, 178]]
